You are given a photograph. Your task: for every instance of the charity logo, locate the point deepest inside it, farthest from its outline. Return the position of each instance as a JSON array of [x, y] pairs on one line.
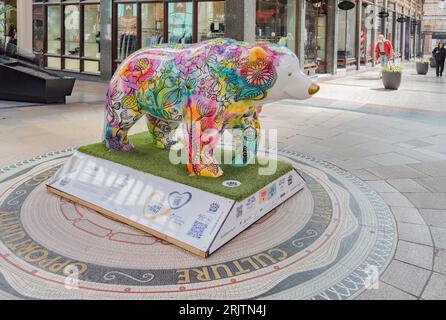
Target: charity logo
[[178, 200], [213, 208], [232, 183]]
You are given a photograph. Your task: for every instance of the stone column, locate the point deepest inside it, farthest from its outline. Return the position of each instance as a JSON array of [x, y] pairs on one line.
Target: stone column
[[24, 28], [332, 40], [358, 33], [403, 36], [240, 19], [106, 39], [300, 20]]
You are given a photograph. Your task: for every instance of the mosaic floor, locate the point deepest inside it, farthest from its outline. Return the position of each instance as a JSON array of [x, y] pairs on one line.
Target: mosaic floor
[[328, 242]]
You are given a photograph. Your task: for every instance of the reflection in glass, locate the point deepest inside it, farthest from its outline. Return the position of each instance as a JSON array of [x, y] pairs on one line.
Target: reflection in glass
[[38, 29], [127, 17], [211, 18], [276, 19], [152, 21], [346, 37], [92, 35], [72, 30], [53, 31], [180, 22], [315, 33]]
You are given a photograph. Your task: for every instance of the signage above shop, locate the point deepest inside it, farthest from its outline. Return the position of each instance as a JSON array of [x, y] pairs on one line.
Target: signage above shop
[[402, 19], [346, 5], [383, 14]]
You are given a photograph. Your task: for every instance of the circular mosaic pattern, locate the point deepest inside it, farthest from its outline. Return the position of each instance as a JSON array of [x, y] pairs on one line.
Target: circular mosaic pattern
[[326, 242]]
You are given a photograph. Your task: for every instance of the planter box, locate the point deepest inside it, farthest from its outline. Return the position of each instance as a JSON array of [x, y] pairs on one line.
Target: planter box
[[422, 68], [20, 83], [391, 80]]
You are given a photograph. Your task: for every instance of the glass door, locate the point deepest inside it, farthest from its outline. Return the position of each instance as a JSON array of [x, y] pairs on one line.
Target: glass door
[[180, 22]]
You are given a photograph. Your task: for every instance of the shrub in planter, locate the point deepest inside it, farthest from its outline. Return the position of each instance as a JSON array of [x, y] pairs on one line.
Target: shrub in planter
[[422, 66], [391, 77]]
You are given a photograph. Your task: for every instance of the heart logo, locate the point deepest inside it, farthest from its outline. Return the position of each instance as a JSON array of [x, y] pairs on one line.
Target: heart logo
[[178, 200]]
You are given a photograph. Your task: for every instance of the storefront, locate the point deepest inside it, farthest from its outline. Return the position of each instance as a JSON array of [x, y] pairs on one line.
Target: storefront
[[68, 32], [92, 37]]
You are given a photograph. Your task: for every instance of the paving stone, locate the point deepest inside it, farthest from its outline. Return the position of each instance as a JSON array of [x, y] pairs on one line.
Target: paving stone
[[391, 158], [439, 237], [385, 292], [406, 277], [435, 218], [396, 172], [409, 215], [437, 184], [406, 185], [381, 186], [396, 200], [434, 169], [364, 175], [440, 261], [416, 254], [436, 288], [414, 233], [427, 200]]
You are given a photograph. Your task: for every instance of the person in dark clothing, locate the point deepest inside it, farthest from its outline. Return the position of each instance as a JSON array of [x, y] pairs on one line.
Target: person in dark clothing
[[440, 55]]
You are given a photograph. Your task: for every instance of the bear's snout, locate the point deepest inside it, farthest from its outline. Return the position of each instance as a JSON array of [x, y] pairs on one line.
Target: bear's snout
[[313, 89]]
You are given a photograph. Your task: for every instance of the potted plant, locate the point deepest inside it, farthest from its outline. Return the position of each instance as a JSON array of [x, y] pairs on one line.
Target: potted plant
[[422, 66], [392, 77]]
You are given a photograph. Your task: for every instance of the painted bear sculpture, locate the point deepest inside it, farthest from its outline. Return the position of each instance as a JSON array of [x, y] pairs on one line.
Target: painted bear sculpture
[[206, 87]]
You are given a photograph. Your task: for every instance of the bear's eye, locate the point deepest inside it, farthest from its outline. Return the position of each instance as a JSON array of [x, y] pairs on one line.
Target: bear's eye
[[290, 74]]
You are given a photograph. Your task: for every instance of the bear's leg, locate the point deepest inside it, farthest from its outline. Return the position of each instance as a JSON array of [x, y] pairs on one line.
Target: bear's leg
[[162, 132], [246, 138], [120, 116], [201, 138]]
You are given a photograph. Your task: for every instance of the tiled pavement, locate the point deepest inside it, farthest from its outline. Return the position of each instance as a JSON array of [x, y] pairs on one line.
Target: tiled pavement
[[393, 140]]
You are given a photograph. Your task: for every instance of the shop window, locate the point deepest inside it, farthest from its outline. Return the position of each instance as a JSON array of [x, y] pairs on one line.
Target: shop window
[[53, 63], [53, 30], [211, 18], [127, 22], [91, 66], [315, 35], [152, 24], [38, 31], [346, 37], [180, 22], [276, 19], [72, 33], [92, 35]]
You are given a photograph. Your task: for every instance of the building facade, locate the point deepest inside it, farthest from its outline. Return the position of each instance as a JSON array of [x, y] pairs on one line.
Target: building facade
[[91, 37], [433, 24]]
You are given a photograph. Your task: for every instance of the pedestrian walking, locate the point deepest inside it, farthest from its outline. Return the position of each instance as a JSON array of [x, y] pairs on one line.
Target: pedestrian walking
[[439, 54], [383, 50]]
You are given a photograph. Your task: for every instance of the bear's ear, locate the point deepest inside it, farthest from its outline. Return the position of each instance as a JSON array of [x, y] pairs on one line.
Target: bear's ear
[[257, 53]]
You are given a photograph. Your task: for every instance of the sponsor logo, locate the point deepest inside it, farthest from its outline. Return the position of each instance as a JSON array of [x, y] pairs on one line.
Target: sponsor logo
[[272, 191], [263, 195], [232, 183]]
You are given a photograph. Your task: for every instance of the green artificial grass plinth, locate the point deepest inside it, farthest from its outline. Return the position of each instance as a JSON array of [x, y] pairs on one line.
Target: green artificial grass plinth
[[147, 158]]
